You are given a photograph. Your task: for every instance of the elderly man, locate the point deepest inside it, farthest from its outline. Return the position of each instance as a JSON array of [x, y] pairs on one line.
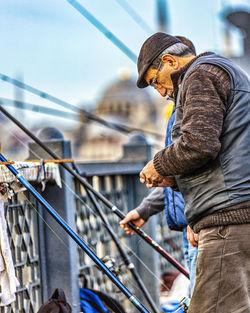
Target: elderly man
[[170, 200], [208, 161]]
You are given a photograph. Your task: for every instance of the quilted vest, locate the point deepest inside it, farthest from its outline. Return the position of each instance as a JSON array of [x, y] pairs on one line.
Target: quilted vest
[[225, 181]]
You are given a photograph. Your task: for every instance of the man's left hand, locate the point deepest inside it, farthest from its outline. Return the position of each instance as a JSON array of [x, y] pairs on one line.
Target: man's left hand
[[192, 237], [152, 179]]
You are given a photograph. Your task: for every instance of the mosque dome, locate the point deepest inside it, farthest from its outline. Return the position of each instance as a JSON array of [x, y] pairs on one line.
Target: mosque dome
[[124, 101]]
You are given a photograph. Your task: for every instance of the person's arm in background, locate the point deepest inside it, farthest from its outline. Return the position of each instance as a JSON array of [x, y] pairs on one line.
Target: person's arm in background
[[151, 205]]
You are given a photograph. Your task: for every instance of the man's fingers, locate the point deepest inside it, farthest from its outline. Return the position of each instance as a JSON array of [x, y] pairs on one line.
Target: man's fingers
[[150, 185], [142, 177], [129, 231], [132, 215], [192, 237], [193, 243], [196, 238]]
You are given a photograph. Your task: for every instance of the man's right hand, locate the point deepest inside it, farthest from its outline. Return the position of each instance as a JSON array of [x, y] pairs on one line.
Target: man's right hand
[[132, 216]]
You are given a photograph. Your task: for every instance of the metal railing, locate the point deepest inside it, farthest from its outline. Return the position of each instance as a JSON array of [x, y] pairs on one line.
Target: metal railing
[[23, 232], [46, 258]]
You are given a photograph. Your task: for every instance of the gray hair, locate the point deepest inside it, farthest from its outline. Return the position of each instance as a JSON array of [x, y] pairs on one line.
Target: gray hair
[[178, 49]]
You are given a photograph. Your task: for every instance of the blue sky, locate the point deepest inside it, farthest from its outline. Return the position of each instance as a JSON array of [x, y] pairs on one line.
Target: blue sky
[[53, 48]]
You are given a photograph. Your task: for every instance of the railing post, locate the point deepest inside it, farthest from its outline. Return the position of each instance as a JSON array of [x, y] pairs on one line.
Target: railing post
[[59, 257], [138, 149]]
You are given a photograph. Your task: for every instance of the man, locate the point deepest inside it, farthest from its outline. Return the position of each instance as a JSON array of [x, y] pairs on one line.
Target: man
[[170, 200], [209, 162]]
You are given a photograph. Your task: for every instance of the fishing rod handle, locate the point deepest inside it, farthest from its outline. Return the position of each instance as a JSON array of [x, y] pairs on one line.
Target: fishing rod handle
[[153, 243]]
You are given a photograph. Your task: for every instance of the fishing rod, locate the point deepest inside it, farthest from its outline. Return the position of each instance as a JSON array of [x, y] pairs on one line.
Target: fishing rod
[[109, 204], [90, 116], [38, 108], [122, 252], [132, 298], [106, 32], [38, 92]]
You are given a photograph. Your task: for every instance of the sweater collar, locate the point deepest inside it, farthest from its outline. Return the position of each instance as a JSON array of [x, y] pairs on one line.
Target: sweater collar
[[177, 76]]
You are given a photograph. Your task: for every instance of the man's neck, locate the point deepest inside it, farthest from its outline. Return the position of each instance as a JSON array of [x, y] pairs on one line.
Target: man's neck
[[185, 60]]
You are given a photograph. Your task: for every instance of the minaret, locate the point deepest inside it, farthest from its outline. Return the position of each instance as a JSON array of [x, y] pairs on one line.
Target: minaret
[[162, 15], [241, 20], [228, 47]]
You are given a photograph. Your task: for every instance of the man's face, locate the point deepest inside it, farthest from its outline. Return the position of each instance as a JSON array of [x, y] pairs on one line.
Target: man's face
[[162, 80]]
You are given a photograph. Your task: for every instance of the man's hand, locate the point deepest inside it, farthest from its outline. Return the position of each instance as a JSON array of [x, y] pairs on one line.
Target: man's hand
[[152, 179], [192, 237], [132, 216]]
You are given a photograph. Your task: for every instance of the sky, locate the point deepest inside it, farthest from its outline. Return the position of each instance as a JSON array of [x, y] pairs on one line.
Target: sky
[[51, 46]]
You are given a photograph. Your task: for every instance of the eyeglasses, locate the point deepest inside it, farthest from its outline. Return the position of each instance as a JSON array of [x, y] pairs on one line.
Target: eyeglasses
[[154, 83]]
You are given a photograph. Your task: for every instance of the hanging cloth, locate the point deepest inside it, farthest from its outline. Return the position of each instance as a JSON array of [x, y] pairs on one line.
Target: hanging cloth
[[8, 281]]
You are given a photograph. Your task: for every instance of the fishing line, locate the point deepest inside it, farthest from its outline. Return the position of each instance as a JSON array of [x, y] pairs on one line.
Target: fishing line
[[94, 213], [38, 213], [124, 243]]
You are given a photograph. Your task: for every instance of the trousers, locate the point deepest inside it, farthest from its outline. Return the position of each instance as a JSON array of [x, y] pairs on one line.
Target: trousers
[[222, 271]]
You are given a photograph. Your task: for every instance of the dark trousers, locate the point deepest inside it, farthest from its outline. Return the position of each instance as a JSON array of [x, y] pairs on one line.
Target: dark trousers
[[223, 271]]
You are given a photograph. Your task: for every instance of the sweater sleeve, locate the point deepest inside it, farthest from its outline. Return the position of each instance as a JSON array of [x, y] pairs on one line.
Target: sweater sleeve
[[204, 99], [152, 204]]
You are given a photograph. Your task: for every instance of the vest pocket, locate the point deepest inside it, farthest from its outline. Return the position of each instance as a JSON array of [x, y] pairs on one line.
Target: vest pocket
[[203, 192], [200, 177]]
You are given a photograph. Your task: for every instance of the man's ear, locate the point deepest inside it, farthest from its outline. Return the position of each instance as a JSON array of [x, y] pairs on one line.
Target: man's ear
[[171, 61]]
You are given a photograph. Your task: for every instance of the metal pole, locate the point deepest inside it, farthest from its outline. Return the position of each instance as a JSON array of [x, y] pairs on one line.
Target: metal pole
[[109, 204], [76, 238]]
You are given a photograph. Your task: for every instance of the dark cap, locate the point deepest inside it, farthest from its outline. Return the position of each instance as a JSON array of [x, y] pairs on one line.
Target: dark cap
[[150, 50]]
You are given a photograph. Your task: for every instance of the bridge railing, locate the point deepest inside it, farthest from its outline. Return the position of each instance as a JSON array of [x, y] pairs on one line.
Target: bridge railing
[[46, 258]]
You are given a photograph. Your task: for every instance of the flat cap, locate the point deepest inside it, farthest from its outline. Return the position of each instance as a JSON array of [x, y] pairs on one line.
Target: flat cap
[[150, 50]]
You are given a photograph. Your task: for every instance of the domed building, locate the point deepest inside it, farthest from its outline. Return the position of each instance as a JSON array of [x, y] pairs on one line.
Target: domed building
[[121, 103], [129, 104]]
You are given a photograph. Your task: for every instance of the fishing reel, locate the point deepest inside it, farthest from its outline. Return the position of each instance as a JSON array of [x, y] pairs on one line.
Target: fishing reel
[[183, 305], [111, 264]]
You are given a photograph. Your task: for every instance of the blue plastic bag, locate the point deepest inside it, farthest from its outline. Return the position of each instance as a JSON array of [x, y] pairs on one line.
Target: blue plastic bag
[[91, 303], [170, 307]]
